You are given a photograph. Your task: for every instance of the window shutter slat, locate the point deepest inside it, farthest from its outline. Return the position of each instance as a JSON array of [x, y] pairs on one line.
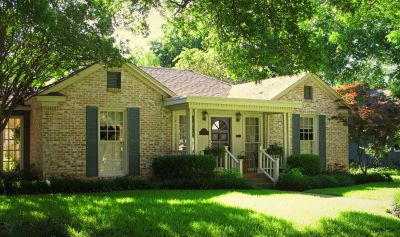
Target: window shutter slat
[[134, 141], [322, 139], [296, 133], [91, 141]]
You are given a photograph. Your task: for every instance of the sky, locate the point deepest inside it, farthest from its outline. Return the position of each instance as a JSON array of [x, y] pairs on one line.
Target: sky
[[155, 21]]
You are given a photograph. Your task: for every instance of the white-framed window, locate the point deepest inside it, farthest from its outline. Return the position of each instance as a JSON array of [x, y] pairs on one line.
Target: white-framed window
[[308, 135], [12, 145]]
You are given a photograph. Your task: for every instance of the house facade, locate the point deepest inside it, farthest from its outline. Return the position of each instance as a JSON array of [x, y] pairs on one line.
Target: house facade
[[114, 121]]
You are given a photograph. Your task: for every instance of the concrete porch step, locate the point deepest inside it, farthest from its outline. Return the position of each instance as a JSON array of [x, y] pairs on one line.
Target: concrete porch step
[[258, 180]]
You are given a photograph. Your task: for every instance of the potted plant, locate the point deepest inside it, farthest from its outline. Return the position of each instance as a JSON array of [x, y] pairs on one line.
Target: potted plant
[[275, 149]]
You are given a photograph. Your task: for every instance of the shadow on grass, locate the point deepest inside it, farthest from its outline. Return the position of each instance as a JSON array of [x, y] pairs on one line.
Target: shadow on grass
[[162, 213]]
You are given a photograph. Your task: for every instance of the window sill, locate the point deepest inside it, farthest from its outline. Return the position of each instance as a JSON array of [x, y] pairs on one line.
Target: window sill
[[114, 90], [308, 100]]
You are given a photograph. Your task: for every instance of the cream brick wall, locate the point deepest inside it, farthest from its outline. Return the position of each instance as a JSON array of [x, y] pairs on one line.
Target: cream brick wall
[[336, 131], [61, 147]]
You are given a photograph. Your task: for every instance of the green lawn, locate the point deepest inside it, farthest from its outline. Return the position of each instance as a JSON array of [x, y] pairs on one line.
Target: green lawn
[[374, 191], [194, 213]]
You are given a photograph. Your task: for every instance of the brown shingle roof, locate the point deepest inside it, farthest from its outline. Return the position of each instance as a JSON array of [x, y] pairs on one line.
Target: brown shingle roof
[[266, 89], [188, 82]]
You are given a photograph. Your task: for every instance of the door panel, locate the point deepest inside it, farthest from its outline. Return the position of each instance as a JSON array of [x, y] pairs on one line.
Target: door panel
[[112, 160], [220, 132]]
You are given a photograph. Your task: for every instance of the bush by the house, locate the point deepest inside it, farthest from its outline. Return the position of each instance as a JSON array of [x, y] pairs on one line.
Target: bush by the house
[[225, 173], [308, 164], [298, 182], [184, 166], [74, 185]]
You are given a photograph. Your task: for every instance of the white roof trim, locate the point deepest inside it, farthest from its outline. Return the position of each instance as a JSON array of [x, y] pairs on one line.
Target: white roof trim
[[223, 103]]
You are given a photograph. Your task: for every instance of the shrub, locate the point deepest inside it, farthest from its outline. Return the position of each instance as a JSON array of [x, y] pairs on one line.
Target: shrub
[[225, 173], [292, 181], [308, 164], [217, 151], [184, 166], [205, 183], [371, 178], [297, 182], [74, 185]]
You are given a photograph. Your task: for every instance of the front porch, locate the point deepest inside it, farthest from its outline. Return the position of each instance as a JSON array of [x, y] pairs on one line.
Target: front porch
[[245, 127]]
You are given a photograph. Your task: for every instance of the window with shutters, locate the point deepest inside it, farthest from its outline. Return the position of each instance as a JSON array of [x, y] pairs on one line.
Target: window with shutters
[[308, 93], [308, 135], [114, 80]]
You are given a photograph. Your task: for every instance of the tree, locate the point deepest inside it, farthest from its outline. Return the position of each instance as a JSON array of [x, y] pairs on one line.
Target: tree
[[205, 62], [341, 41], [43, 40], [374, 124], [148, 59]]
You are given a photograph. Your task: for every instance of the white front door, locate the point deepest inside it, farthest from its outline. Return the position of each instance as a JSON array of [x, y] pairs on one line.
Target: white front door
[[112, 158]]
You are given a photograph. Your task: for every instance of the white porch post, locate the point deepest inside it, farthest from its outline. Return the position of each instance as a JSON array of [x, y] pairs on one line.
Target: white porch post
[[195, 125], [285, 137], [189, 131], [276, 170], [260, 155]]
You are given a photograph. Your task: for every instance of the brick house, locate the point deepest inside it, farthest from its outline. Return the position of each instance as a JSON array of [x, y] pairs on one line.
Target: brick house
[[112, 122]]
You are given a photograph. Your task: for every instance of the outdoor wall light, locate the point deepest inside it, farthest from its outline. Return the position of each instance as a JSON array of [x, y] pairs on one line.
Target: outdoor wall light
[[204, 115], [238, 116]]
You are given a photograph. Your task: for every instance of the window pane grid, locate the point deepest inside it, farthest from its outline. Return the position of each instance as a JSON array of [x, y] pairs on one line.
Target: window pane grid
[[11, 144], [111, 126], [307, 141], [252, 141], [182, 133]]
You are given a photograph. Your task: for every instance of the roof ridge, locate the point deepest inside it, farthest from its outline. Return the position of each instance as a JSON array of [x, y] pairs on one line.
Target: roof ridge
[[167, 68]]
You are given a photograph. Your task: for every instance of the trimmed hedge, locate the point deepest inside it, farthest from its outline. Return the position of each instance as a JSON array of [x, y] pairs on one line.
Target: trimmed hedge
[[74, 185], [299, 182], [308, 164], [184, 166]]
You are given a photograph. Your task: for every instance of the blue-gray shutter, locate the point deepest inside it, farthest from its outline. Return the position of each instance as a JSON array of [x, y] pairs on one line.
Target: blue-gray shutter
[[134, 141], [92, 141], [322, 139], [296, 133]]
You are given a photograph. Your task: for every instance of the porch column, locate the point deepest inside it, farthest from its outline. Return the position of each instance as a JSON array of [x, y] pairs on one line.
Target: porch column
[[189, 133], [287, 138], [195, 126]]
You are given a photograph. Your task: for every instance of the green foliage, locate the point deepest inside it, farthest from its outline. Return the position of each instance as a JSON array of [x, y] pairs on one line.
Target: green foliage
[[355, 169], [225, 173], [289, 181], [148, 59], [308, 164], [274, 149], [217, 151], [184, 166], [297, 182]]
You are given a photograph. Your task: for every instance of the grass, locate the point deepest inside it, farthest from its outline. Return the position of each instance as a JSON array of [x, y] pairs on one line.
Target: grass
[[374, 191], [193, 213]]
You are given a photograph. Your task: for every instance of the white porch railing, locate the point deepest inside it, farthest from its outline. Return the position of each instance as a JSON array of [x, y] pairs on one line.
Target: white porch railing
[[231, 162], [268, 165]]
